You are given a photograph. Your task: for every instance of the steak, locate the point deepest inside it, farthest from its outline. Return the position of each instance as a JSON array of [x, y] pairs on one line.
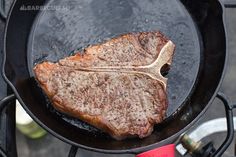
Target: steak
[[115, 86]]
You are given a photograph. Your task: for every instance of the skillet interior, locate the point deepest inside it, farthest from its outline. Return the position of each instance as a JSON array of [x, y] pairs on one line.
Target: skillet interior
[[80, 23]]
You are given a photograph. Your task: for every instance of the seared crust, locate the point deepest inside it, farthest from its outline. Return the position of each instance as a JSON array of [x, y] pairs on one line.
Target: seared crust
[[115, 86], [133, 49]]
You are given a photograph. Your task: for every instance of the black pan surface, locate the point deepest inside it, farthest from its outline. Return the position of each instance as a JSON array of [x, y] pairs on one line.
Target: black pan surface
[[51, 34], [77, 24]]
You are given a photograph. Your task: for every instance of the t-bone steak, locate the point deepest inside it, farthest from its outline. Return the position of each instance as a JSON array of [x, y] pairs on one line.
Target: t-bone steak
[[115, 86]]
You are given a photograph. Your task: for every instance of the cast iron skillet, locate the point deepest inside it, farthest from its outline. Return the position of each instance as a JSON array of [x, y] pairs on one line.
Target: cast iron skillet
[[33, 36]]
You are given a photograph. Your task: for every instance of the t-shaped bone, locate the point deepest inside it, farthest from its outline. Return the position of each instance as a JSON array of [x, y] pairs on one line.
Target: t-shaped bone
[[152, 70]]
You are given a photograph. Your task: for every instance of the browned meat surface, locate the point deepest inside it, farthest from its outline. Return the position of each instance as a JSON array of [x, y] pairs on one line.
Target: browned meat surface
[[115, 86]]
